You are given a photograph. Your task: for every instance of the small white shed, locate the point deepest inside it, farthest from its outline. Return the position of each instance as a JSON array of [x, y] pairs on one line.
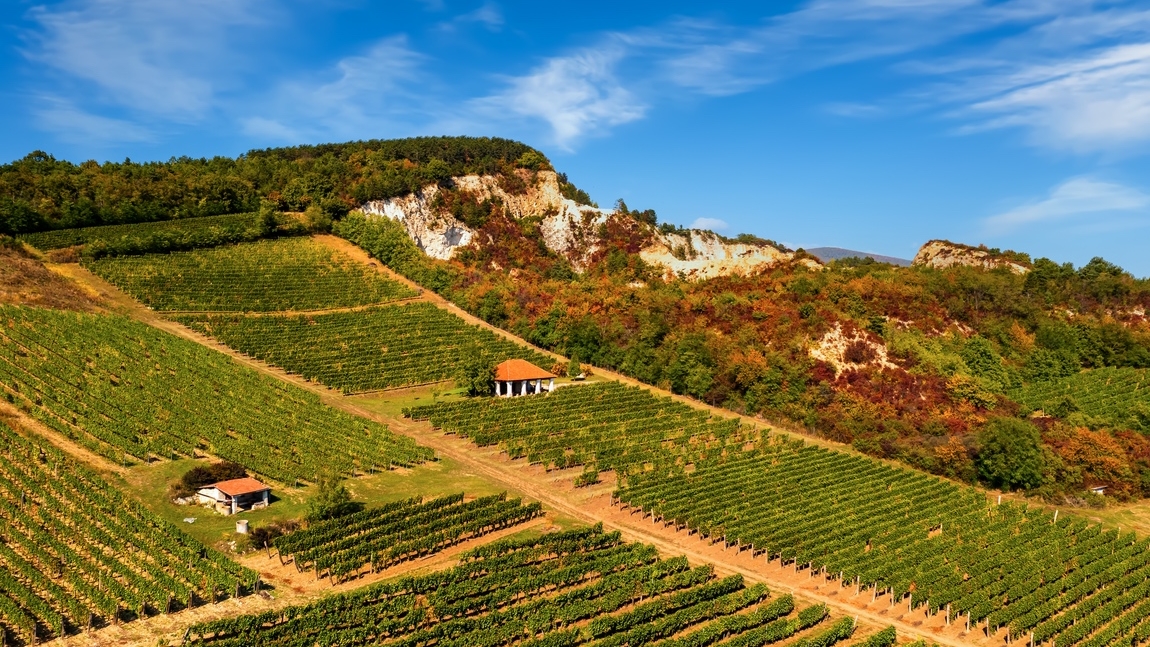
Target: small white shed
[[232, 496]]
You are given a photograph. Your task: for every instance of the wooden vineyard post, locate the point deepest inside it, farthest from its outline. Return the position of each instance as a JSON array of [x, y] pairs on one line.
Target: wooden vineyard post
[[91, 621], [948, 614], [267, 550], [168, 607], [237, 596]]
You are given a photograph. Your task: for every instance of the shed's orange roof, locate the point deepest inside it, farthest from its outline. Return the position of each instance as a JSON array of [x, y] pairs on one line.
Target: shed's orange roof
[[518, 369], [238, 487]]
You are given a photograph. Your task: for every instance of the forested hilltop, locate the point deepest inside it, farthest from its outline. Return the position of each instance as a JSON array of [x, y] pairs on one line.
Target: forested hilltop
[[39, 192], [1023, 379]]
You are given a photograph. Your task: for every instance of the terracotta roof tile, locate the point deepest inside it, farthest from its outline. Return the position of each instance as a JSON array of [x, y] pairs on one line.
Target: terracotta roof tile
[[517, 369], [238, 487]]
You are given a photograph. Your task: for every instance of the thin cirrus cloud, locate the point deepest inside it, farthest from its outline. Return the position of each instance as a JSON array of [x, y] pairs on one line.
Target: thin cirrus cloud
[[78, 126], [1075, 202], [713, 224], [369, 92], [161, 59], [1099, 101], [1070, 74], [575, 95]]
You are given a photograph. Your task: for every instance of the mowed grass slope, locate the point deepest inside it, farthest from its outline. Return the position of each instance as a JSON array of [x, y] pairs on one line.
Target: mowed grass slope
[[130, 392], [365, 350], [267, 276]]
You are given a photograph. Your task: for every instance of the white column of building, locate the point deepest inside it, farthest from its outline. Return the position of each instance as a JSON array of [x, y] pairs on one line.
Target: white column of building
[[539, 386], [551, 386], [522, 387], [233, 505]]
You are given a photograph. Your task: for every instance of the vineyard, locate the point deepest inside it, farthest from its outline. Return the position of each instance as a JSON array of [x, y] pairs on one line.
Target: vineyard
[[398, 532], [77, 554], [128, 391], [581, 587], [1117, 396], [604, 426], [366, 350], [916, 539], [265, 276], [237, 223]]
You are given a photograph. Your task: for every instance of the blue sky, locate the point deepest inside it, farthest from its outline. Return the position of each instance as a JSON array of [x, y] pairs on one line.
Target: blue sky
[[869, 124]]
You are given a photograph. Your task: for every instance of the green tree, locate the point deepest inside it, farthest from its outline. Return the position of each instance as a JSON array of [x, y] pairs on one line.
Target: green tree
[[331, 500], [1011, 454], [574, 368], [476, 373], [317, 219], [267, 219]]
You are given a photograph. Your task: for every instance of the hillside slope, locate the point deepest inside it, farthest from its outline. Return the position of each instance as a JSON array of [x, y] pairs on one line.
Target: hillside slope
[[916, 364]]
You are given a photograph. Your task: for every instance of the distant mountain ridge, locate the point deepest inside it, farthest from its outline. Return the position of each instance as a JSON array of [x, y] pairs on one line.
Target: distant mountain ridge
[[828, 254]]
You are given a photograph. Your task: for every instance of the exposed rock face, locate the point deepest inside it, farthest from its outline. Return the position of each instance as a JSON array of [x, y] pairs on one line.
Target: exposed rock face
[[850, 350], [568, 228], [702, 255], [942, 254]]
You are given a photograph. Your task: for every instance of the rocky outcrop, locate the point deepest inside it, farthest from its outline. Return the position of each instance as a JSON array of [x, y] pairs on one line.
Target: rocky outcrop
[[854, 349], [568, 228], [942, 254], [702, 254]]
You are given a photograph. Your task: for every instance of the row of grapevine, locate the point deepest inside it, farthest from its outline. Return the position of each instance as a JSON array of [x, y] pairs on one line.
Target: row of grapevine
[[113, 234], [74, 553], [398, 532], [921, 541], [367, 350], [580, 587], [606, 425], [265, 276], [130, 392], [1110, 394]]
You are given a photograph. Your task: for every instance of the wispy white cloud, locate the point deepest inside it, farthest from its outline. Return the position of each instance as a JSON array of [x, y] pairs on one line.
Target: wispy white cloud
[[74, 125], [488, 15], [713, 224], [577, 95], [370, 94], [1099, 100], [1081, 202], [160, 58]]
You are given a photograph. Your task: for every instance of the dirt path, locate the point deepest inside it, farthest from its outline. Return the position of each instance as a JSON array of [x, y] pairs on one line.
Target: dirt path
[[292, 313]]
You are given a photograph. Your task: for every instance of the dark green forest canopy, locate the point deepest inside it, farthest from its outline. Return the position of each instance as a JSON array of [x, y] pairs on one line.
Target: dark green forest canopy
[[40, 192]]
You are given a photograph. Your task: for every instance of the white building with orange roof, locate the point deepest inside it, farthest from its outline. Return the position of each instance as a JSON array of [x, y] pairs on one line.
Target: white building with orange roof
[[520, 377]]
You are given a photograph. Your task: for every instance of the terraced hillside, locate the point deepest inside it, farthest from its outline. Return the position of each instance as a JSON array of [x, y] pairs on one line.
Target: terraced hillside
[[75, 553], [365, 350], [130, 392], [264, 276], [398, 532], [581, 587], [605, 426], [1116, 396], [177, 233], [917, 539]]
